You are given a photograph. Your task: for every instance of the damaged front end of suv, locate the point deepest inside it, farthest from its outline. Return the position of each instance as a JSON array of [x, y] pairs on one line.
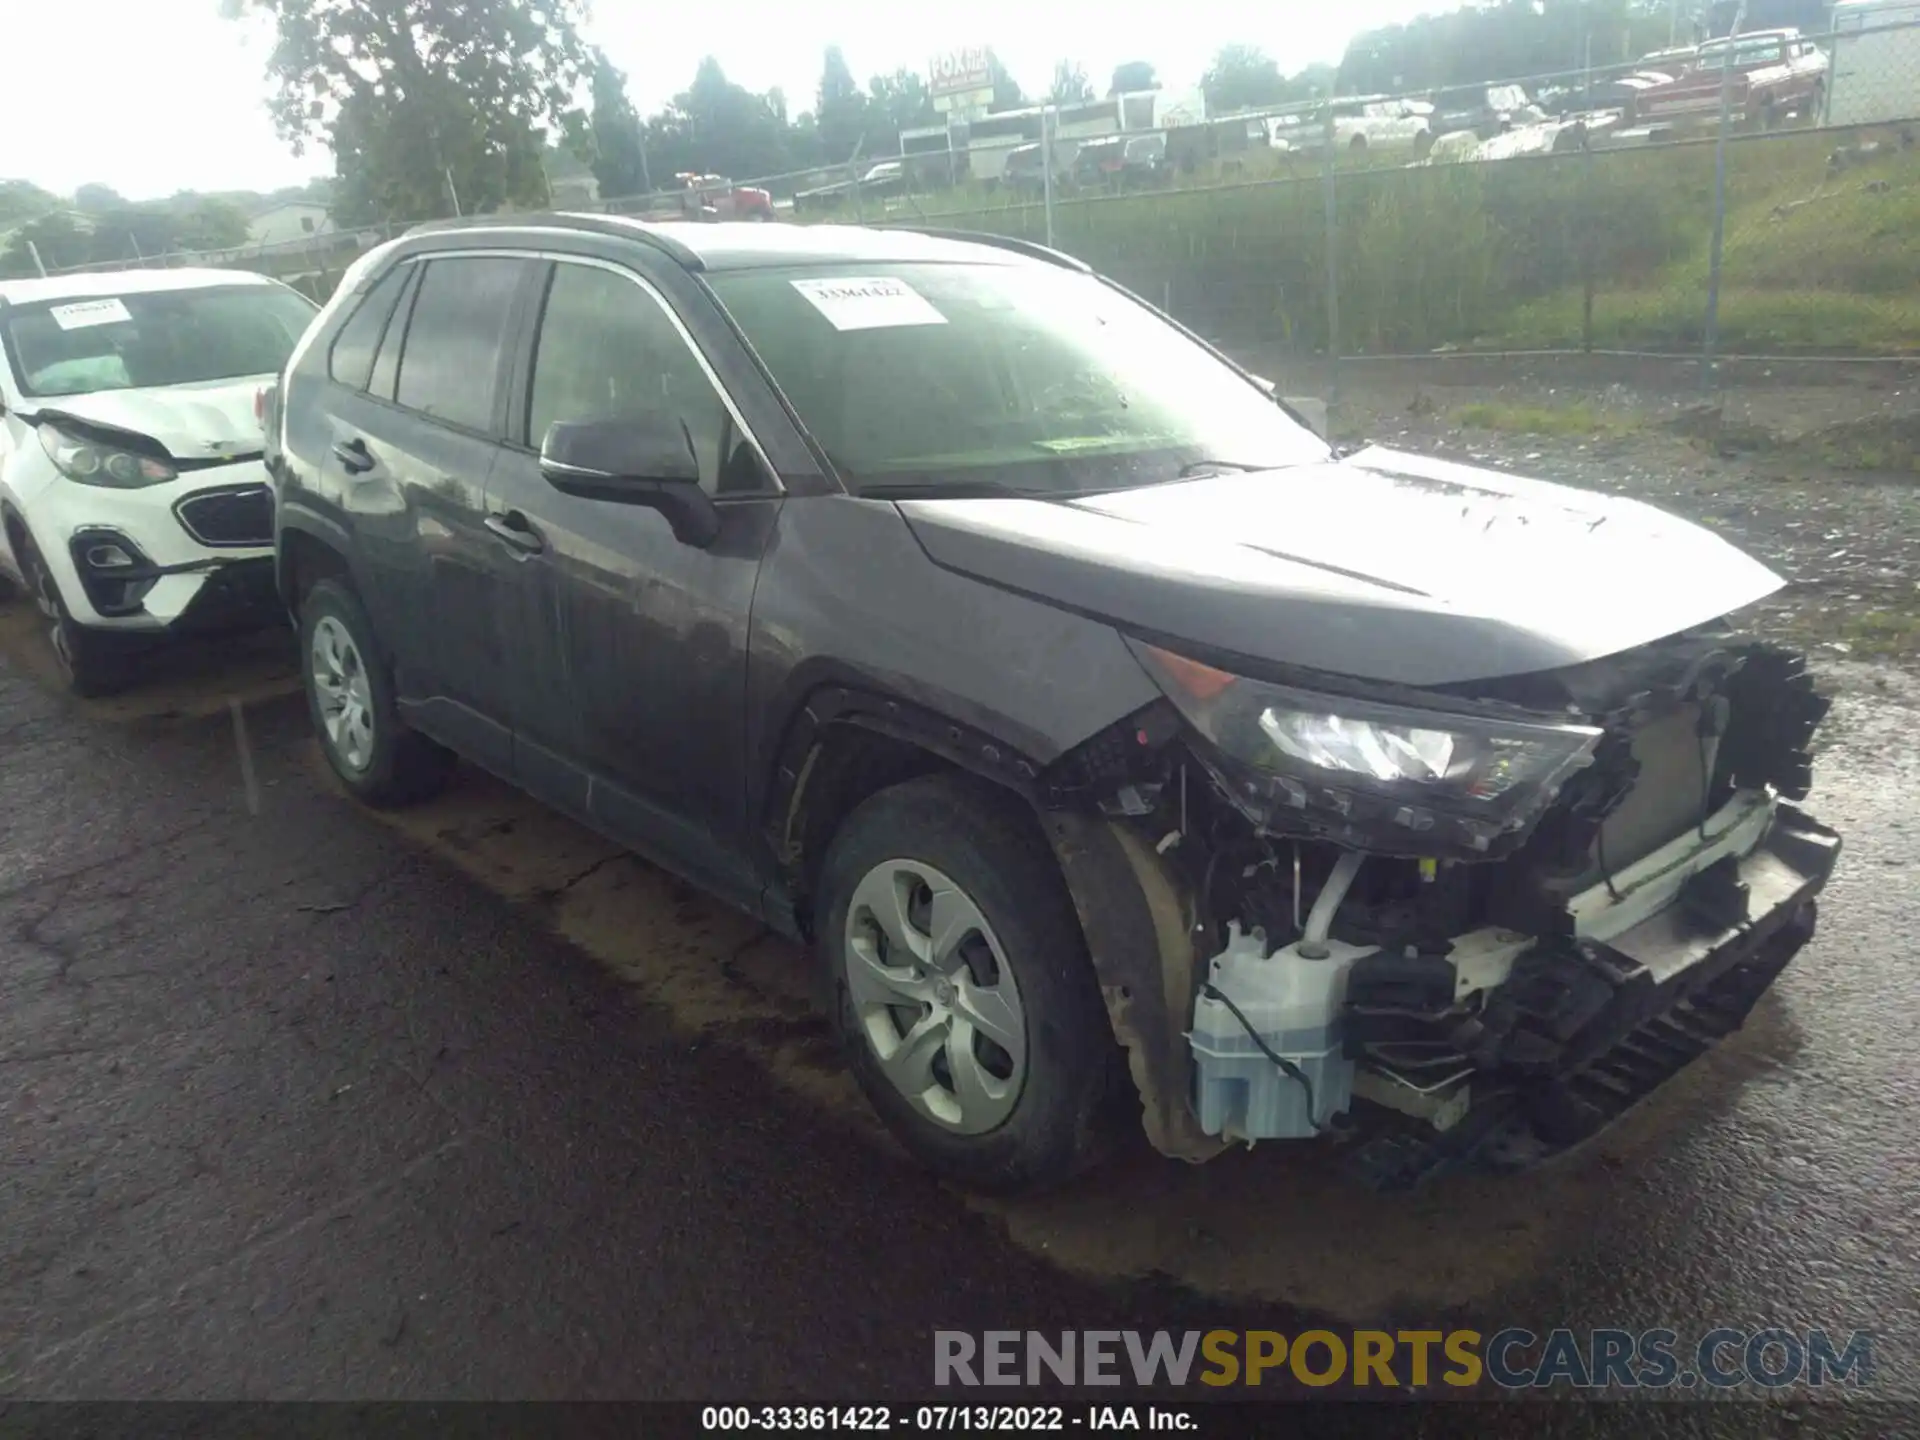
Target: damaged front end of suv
[[1464, 924]]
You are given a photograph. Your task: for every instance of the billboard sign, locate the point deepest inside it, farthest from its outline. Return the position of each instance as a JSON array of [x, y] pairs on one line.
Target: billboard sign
[[960, 71]]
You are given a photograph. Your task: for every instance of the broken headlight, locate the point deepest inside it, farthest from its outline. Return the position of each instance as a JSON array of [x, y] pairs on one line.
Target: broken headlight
[[1370, 775], [92, 463]]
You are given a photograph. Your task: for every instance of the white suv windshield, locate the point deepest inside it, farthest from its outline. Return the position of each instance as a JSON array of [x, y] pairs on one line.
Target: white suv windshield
[[162, 337], [1028, 377]]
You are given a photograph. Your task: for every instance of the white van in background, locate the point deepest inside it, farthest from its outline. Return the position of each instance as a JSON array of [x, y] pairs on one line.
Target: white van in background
[[1876, 62]]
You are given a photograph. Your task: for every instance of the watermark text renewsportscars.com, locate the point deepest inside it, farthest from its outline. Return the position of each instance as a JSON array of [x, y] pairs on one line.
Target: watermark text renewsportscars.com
[[1721, 1358]]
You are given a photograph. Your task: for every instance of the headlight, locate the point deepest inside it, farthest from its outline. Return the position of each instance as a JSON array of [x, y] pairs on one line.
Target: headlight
[[92, 463], [1375, 776]]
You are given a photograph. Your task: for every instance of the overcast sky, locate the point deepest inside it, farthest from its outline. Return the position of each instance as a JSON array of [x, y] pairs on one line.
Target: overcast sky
[[164, 95]]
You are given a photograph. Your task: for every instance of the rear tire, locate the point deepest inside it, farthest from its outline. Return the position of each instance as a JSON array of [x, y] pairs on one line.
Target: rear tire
[[980, 928], [350, 697]]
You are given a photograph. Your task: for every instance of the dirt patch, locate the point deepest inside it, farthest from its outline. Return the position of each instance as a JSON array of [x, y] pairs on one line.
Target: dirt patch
[[1817, 481]]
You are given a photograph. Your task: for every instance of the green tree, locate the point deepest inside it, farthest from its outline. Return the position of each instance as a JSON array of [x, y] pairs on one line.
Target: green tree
[[21, 201], [619, 144], [209, 222], [841, 109], [1007, 94], [1242, 76], [61, 236], [131, 232], [1133, 76], [896, 102], [1070, 84], [1508, 39], [426, 103], [715, 126], [97, 199]]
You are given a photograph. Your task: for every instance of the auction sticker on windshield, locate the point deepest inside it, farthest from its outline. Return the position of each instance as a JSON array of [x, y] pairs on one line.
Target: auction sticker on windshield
[[83, 313], [875, 302]]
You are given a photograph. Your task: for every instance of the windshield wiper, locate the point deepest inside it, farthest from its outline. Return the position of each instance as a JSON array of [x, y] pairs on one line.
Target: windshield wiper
[[1200, 468], [957, 490]]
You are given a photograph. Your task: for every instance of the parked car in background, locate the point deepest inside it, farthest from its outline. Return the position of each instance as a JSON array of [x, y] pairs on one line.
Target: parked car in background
[[1774, 74], [1485, 110], [1120, 162], [133, 503], [714, 197], [1128, 756], [1359, 126], [888, 178], [1024, 173]]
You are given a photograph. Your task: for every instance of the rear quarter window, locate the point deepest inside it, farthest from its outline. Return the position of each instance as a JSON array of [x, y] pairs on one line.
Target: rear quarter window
[[351, 360]]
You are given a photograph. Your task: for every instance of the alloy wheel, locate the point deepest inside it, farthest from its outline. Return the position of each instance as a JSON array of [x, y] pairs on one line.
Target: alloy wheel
[[934, 997], [339, 678]]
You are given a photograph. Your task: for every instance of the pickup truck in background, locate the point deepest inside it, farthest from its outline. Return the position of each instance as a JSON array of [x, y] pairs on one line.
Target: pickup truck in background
[[1776, 73], [886, 179], [1485, 110], [1360, 126], [707, 197]]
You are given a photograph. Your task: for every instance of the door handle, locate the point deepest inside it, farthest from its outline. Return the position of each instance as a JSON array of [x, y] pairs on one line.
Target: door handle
[[353, 455], [517, 531]]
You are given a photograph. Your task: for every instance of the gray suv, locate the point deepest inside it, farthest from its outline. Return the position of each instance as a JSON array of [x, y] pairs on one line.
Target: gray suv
[[1128, 755]]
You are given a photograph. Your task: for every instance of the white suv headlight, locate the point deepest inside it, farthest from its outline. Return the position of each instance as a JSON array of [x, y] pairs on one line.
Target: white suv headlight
[[93, 463]]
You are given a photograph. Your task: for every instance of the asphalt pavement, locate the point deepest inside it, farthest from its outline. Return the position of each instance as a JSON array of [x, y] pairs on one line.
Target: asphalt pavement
[[298, 1101]]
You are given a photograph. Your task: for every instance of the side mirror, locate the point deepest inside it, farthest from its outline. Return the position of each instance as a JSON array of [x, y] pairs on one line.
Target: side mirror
[[646, 462]]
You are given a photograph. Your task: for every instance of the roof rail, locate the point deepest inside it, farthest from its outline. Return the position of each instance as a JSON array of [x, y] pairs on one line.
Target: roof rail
[[618, 226], [1028, 248]]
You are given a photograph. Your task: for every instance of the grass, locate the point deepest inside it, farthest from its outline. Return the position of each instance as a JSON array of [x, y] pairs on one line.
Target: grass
[[1882, 634], [1491, 255], [1555, 420]]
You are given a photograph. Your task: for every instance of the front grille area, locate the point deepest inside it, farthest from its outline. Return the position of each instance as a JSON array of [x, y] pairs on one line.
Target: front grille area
[[1669, 794], [238, 515]]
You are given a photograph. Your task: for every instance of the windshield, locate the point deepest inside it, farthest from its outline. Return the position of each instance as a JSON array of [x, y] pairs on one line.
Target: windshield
[[1022, 377], [166, 337], [1745, 52]]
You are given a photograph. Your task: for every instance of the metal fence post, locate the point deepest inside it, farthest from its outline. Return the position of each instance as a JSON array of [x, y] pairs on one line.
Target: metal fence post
[[1589, 239], [1333, 255], [1046, 165], [1710, 340]]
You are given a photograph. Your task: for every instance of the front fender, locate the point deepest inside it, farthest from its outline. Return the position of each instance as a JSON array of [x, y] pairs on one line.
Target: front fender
[[1139, 923]]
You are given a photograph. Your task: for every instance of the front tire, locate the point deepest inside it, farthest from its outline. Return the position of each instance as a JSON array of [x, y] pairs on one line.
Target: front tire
[[963, 994], [92, 664], [350, 697]]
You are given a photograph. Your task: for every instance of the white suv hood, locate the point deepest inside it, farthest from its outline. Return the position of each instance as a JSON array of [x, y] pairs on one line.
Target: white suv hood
[[212, 420]]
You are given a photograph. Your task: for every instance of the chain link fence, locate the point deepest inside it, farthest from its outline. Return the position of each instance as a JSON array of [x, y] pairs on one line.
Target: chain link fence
[[1755, 195], [1758, 195]]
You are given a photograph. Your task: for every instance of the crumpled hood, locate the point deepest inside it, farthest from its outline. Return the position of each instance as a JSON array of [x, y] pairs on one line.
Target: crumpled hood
[[213, 420], [1384, 566]]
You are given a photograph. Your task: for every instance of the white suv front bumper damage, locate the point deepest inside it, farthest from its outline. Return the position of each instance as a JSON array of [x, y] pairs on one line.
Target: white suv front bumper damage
[[193, 552]]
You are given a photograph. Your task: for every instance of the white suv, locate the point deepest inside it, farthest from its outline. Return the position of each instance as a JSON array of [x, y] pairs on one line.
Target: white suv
[[132, 496]]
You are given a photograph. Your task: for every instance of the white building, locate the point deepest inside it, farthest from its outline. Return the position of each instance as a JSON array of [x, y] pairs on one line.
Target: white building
[[288, 223]]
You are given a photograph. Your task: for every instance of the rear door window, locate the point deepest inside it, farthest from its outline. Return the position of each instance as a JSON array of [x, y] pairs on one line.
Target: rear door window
[[457, 336]]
